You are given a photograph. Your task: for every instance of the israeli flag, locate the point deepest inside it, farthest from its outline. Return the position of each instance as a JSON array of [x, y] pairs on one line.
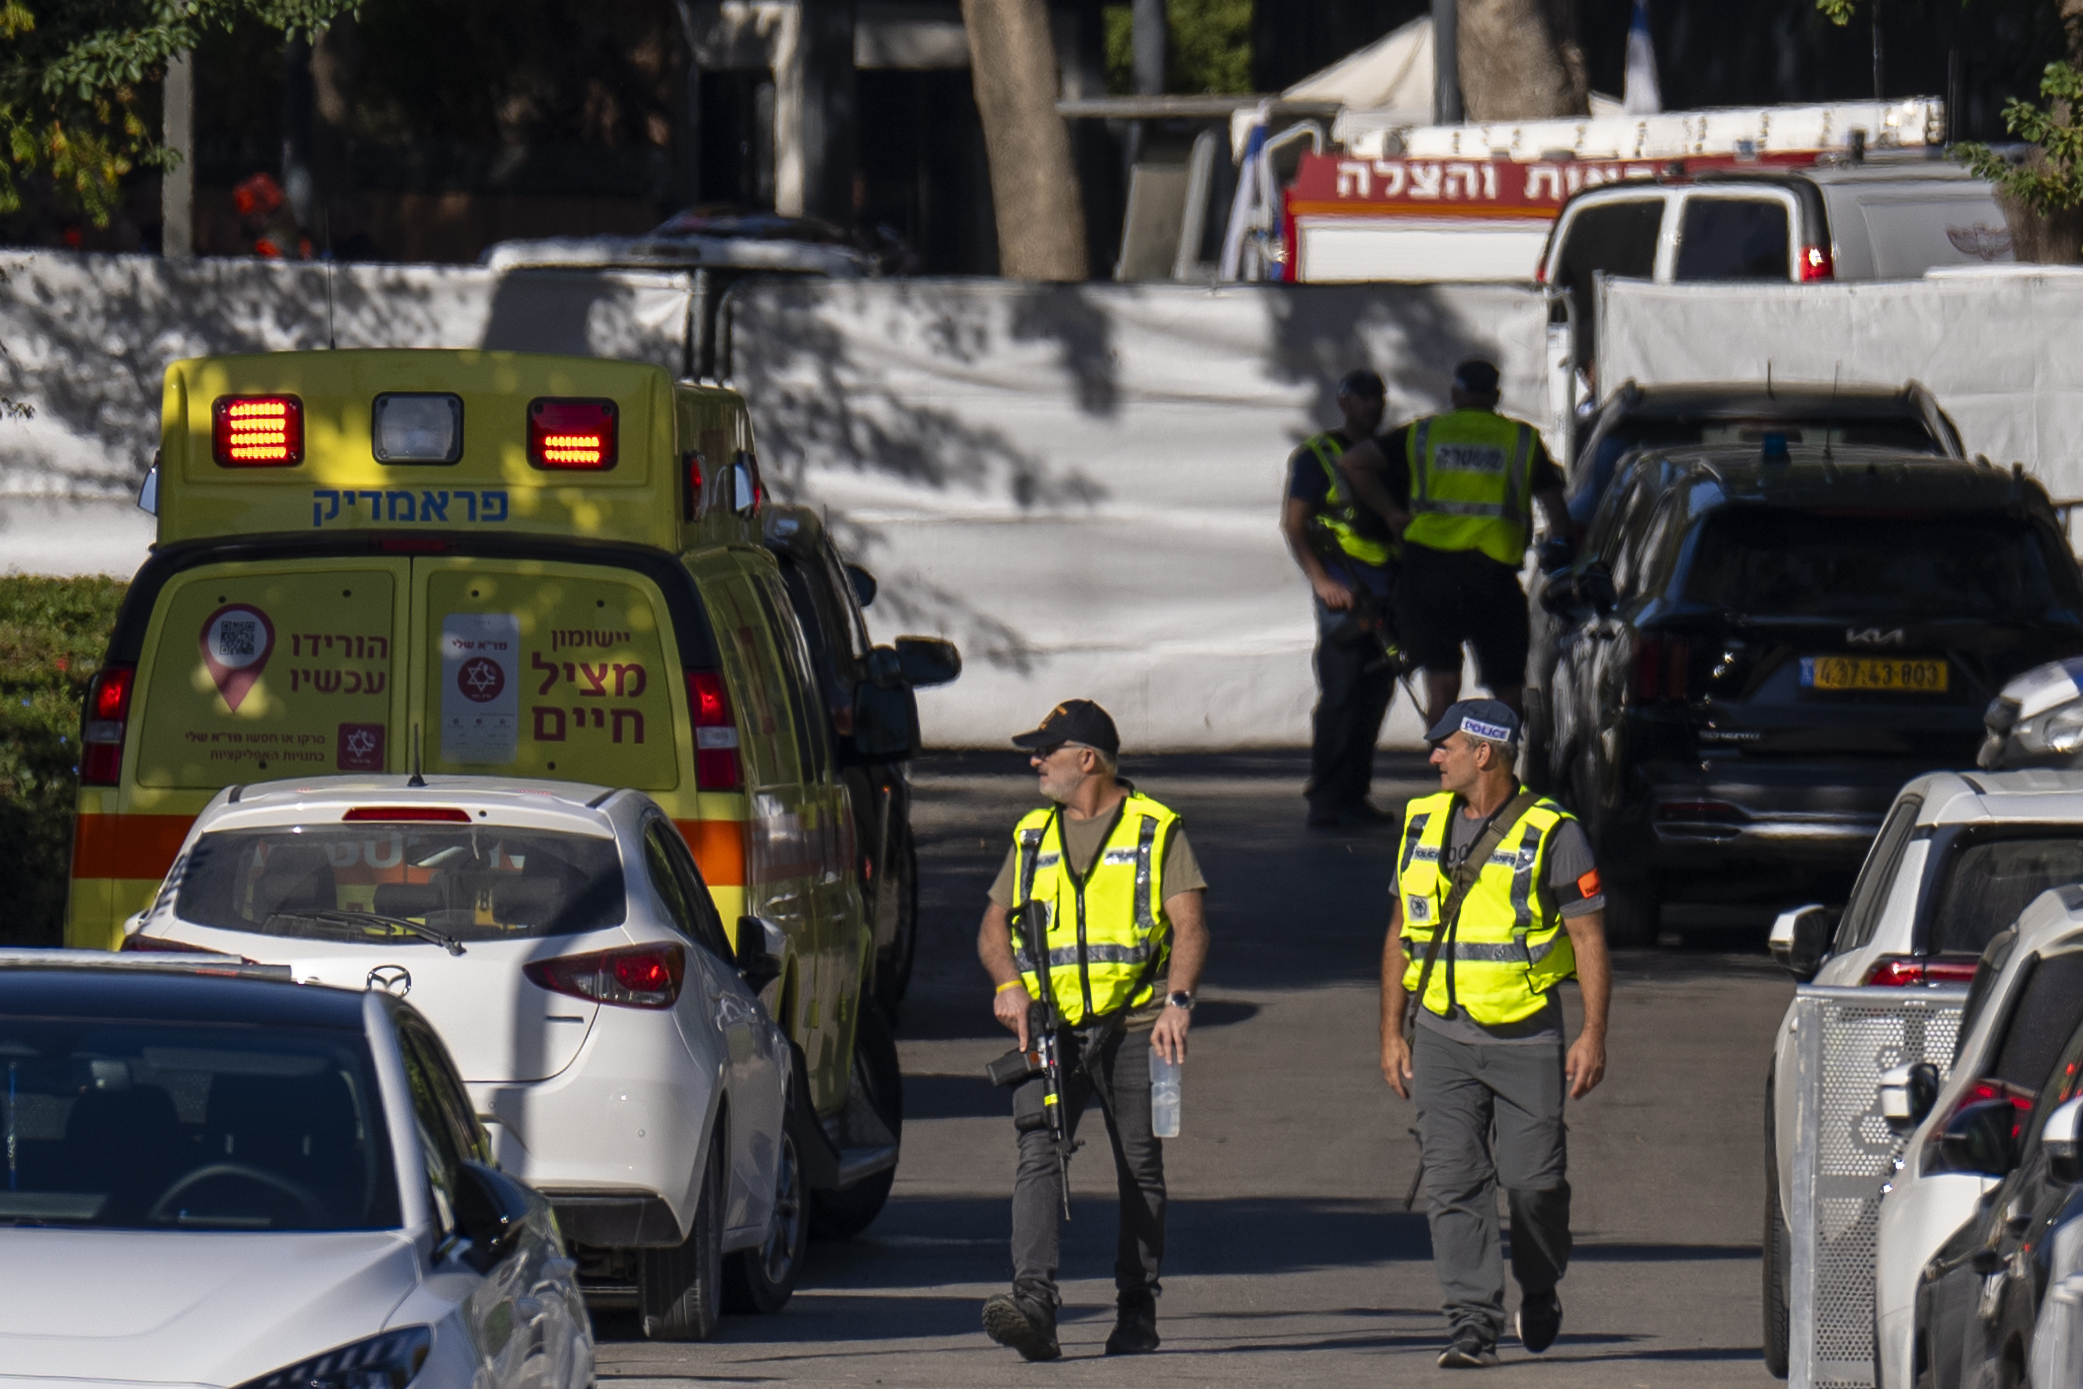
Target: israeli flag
[[1640, 97]]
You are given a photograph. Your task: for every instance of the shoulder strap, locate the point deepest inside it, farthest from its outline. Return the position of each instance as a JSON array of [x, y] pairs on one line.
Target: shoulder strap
[[1471, 868]]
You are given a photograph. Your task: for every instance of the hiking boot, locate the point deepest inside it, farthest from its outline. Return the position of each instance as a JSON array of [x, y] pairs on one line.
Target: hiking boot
[[1538, 1320], [1467, 1351], [1135, 1326], [1024, 1324]]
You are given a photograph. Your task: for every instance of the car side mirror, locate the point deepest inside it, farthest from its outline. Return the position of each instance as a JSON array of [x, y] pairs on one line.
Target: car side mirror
[[864, 585], [885, 722], [1982, 1138], [761, 948], [1595, 587], [491, 1212], [2062, 1141], [1800, 940], [1554, 554], [1907, 1094], [928, 661]]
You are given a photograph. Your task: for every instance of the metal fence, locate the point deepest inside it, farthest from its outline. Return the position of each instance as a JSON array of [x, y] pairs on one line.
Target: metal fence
[[1843, 1152]]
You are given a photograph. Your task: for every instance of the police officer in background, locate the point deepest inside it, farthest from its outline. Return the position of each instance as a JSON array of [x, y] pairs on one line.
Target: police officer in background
[[1459, 488], [1497, 902], [1107, 888], [1349, 555]]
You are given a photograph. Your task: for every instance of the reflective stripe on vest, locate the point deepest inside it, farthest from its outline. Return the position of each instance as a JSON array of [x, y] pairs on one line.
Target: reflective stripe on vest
[[1510, 946], [1107, 937], [1471, 476], [1340, 514]]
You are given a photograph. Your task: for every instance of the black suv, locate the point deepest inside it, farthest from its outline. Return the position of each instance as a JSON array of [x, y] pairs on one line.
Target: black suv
[[1757, 647], [828, 595]]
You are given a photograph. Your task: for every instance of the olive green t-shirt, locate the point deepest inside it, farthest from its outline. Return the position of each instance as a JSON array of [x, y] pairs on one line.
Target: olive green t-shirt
[[1082, 841]]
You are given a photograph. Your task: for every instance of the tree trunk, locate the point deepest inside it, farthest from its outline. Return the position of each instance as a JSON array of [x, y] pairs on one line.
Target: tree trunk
[[1522, 60], [2049, 238], [1034, 190]]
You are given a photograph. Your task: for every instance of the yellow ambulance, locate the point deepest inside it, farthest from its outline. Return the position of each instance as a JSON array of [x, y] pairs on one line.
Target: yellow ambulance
[[504, 565]]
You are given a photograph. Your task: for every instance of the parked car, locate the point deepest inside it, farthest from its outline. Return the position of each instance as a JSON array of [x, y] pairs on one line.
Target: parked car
[[2036, 720], [828, 594], [528, 567], [1634, 417], [225, 1180], [1756, 649], [720, 237], [2014, 1131], [1887, 217], [562, 940], [1959, 857]]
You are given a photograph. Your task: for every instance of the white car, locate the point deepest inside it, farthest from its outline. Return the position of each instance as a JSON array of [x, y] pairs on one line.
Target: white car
[[563, 942], [1959, 855], [223, 1181]]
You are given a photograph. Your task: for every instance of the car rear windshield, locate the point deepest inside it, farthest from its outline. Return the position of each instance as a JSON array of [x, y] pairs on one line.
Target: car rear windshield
[[1783, 562], [363, 883], [172, 1126], [1987, 885], [1899, 432]]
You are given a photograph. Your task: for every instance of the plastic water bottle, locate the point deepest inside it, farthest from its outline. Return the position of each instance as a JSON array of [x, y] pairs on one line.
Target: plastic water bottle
[[1164, 1095]]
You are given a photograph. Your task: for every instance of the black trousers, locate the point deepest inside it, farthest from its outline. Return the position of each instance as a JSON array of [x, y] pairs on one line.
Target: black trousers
[[1118, 1073], [1351, 702]]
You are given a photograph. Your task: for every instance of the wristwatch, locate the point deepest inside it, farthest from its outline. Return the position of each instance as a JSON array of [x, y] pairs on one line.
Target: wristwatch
[[1180, 999]]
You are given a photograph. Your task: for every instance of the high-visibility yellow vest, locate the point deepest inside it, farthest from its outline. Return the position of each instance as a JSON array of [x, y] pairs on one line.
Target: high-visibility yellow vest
[[1509, 946], [1471, 482], [1340, 513], [1107, 937]]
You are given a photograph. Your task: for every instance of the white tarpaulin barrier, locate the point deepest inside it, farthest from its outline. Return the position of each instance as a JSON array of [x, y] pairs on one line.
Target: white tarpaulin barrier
[[1081, 484], [1997, 349], [87, 341]]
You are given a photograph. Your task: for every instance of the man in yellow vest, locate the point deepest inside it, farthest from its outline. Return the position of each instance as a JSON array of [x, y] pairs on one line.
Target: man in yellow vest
[[1459, 489], [1348, 554], [1098, 907], [1497, 902]]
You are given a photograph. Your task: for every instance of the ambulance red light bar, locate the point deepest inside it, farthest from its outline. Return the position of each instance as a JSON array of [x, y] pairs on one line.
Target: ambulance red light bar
[[257, 431], [398, 814], [571, 435]]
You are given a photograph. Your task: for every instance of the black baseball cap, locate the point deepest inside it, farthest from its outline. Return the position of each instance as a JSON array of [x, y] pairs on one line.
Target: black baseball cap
[[1074, 721], [1362, 382], [1491, 720], [1476, 376]]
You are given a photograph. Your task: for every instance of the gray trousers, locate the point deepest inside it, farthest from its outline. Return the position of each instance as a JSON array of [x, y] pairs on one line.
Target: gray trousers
[[1119, 1074], [1490, 1116]]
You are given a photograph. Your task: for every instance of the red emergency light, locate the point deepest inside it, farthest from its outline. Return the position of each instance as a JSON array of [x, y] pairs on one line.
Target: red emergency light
[[571, 435], [257, 431]]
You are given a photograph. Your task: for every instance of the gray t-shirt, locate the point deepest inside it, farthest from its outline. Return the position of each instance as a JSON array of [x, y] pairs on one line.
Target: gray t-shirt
[[1569, 864]]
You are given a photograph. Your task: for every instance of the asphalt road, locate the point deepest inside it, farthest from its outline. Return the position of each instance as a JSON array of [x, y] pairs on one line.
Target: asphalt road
[[1291, 1258]]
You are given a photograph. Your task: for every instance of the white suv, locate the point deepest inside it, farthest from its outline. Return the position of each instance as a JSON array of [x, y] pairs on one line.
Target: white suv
[[563, 943], [1958, 857]]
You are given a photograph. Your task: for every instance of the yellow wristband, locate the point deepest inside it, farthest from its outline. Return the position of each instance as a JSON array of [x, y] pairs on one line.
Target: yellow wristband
[[1011, 984]]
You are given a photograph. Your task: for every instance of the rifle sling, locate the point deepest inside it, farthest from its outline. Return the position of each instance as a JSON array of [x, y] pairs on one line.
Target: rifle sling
[[1465, 875]]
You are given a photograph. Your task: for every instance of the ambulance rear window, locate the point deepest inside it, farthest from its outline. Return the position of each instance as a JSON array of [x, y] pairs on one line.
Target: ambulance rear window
[[369, 884]]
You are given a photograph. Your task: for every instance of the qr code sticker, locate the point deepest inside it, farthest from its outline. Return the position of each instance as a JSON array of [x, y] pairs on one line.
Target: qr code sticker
[[236, 638]]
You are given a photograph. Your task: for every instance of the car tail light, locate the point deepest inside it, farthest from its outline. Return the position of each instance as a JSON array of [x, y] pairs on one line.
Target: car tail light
[[101, 737], [1663, 670], [691, 480], [1815, 264], [393, 814], [716, 766], [1919, 971], [573, 435], [644, 976], [257, 431]]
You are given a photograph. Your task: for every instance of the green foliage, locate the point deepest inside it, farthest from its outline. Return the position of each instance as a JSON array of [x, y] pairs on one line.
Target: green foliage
[[1210, 46], [2055, 182], [52, 636], [70, 79]]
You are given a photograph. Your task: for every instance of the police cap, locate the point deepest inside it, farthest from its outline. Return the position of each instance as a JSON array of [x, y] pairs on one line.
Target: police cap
[[1074, 721], [1476, 376], [1491, 720]]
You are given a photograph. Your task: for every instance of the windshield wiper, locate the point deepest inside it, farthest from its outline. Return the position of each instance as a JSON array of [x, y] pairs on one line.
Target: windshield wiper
[[349, 917]]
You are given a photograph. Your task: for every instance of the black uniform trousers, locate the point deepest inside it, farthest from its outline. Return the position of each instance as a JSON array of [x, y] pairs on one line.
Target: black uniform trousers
[[1354, 686]]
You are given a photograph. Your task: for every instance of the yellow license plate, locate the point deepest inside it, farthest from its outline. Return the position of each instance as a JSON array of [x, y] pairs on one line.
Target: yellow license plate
[[1871, 673]]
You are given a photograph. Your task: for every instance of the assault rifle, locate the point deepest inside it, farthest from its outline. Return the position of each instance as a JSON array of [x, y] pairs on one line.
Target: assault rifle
[[1043, 1058]]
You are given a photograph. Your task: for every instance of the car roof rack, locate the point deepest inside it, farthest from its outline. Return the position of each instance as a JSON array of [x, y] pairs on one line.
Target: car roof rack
[[156, 962]]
